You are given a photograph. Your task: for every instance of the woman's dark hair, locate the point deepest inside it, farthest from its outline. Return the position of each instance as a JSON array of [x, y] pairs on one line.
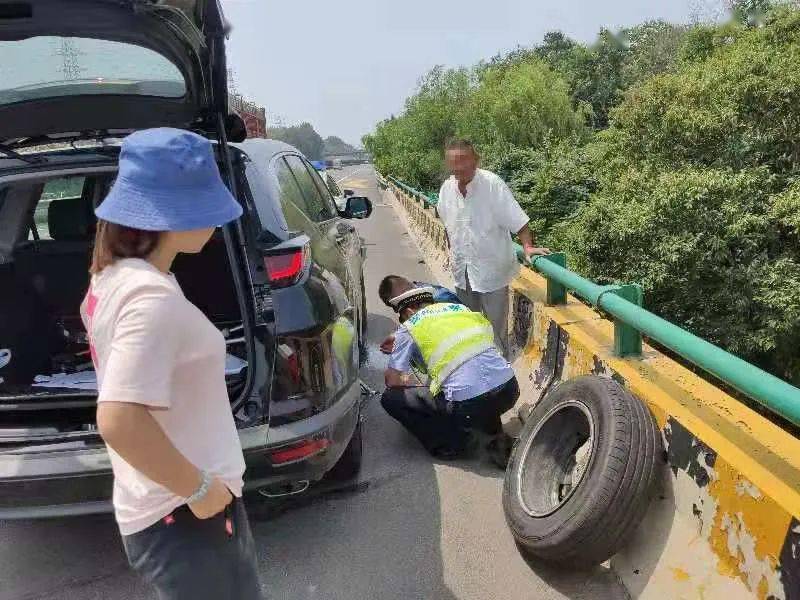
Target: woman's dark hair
[[113, 242]]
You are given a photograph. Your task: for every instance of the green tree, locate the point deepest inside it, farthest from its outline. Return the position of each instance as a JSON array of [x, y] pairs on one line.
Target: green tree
[[336, 145], [410, 145], [551, 182], [653, 49], [303, 137], [520, 105], [697, 194], [751, 12]]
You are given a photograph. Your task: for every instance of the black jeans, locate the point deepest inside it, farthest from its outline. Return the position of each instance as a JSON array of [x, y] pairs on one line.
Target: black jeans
[[444, 426], [186, 558]]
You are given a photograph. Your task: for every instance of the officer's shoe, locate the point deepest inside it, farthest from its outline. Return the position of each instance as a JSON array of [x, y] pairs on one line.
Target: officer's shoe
[[499, 450], [470, 446]]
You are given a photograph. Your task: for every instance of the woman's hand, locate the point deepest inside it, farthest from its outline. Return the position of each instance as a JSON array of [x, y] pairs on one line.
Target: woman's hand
[[214, 502], [137, 437]]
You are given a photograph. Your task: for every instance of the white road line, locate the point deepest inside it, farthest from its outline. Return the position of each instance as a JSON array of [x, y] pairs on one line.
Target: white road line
[[353, 174]]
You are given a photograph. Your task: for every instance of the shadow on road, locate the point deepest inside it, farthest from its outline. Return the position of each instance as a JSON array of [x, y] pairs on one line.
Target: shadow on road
[[591, 584], [478, 464], [65, 559]]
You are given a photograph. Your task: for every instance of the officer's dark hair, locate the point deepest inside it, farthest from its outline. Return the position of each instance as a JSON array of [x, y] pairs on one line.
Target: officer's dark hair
[[387, 286]]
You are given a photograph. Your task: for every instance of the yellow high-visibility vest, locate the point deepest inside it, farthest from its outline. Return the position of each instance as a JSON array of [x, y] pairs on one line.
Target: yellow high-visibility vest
[[343, 336], [447, 336]]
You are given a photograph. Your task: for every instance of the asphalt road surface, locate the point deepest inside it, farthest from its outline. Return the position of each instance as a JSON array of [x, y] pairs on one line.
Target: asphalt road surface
[[410, 528]]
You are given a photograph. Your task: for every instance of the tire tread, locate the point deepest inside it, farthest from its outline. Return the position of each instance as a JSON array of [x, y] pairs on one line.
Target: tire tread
[[615, 499]]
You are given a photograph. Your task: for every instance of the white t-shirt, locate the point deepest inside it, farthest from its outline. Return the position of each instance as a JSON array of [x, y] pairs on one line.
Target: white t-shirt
[[480, 227], [151, 346]]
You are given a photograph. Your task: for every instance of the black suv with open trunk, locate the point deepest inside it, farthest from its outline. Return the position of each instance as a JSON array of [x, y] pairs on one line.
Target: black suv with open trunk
[[284, 284]]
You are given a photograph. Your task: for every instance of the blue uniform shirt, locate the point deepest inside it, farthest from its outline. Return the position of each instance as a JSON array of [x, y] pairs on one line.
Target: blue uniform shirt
[[477, 376]]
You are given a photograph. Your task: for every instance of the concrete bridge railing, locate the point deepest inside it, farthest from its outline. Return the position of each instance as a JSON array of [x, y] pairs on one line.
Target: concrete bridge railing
[[725, 521]]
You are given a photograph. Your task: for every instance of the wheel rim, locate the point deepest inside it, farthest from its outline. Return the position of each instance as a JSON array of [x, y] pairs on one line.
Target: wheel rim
[[555, 458]]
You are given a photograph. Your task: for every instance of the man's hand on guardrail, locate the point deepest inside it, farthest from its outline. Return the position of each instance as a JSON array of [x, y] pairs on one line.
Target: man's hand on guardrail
[[531, 251]]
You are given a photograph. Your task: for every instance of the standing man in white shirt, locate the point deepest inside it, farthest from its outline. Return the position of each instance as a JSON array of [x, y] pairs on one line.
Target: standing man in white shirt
[[480, 215]]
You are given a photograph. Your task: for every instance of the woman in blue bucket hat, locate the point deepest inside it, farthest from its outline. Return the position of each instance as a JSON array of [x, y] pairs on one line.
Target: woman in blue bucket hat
[[162, 406]]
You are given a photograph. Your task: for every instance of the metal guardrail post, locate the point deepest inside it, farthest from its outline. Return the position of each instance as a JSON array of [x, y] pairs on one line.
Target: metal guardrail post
[[627, 339], [777, 395], [556, 292]]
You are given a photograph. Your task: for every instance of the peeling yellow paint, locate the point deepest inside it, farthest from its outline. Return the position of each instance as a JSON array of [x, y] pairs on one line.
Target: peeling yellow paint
[[679, 574], [763, 590], [747, 533]]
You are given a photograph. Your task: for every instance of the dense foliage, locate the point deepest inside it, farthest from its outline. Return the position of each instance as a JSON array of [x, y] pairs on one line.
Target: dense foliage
[[665, 155], [336, 145], [306, 139], [303, 137]]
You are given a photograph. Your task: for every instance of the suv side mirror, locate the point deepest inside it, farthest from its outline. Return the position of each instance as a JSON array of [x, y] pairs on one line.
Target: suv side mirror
[[358, 207]]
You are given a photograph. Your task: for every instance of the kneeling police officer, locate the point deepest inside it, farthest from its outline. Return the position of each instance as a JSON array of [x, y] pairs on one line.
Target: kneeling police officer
[[470, 385]]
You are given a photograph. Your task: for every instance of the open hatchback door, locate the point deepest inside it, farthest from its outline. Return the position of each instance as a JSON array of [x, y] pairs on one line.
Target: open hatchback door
[[92, 68]]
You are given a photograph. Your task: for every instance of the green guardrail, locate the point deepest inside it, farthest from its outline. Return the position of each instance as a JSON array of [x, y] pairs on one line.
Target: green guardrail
[[429, 200], [624, 304]]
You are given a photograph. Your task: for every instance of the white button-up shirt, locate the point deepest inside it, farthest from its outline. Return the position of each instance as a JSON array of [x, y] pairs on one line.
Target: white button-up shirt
[[479, 227]]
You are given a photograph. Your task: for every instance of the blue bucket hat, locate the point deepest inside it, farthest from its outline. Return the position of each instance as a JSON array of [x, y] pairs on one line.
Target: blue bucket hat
[[168, 180]]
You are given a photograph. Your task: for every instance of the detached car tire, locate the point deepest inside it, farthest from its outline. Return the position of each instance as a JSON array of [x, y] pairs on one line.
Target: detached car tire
[[349, 464], [579, 479]]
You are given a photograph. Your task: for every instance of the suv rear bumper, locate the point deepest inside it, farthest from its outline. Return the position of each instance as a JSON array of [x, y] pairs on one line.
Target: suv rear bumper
[[79, 482]]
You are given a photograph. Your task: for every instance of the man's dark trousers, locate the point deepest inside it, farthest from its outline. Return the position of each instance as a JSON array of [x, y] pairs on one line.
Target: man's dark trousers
[[443, 427]]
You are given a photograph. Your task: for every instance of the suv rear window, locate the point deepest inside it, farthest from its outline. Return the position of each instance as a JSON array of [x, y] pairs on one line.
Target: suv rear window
[[64, 189], [293, 201], [48, 66]]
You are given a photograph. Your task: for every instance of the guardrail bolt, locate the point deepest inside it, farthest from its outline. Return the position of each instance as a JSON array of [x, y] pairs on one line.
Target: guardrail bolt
[[627, 339], [556, 293]]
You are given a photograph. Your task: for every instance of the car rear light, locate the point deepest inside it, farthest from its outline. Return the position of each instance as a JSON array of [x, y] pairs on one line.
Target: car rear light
[[299, 451], [287, 268]]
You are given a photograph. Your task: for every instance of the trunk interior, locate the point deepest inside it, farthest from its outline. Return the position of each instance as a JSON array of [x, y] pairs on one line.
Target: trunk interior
[[47, 383]]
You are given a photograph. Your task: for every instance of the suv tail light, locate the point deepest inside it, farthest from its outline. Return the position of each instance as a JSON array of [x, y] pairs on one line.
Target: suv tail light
[[300, 451], [287, 268]]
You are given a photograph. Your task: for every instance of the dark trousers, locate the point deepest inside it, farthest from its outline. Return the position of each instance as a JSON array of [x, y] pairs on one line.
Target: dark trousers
[[444, 426], [186, 558]]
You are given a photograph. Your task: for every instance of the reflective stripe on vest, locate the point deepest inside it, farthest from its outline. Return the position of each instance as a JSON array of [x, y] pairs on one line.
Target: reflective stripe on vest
[[447, 336]]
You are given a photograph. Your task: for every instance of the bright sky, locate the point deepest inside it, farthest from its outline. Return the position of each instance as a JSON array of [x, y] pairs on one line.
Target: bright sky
[[344, 65]]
